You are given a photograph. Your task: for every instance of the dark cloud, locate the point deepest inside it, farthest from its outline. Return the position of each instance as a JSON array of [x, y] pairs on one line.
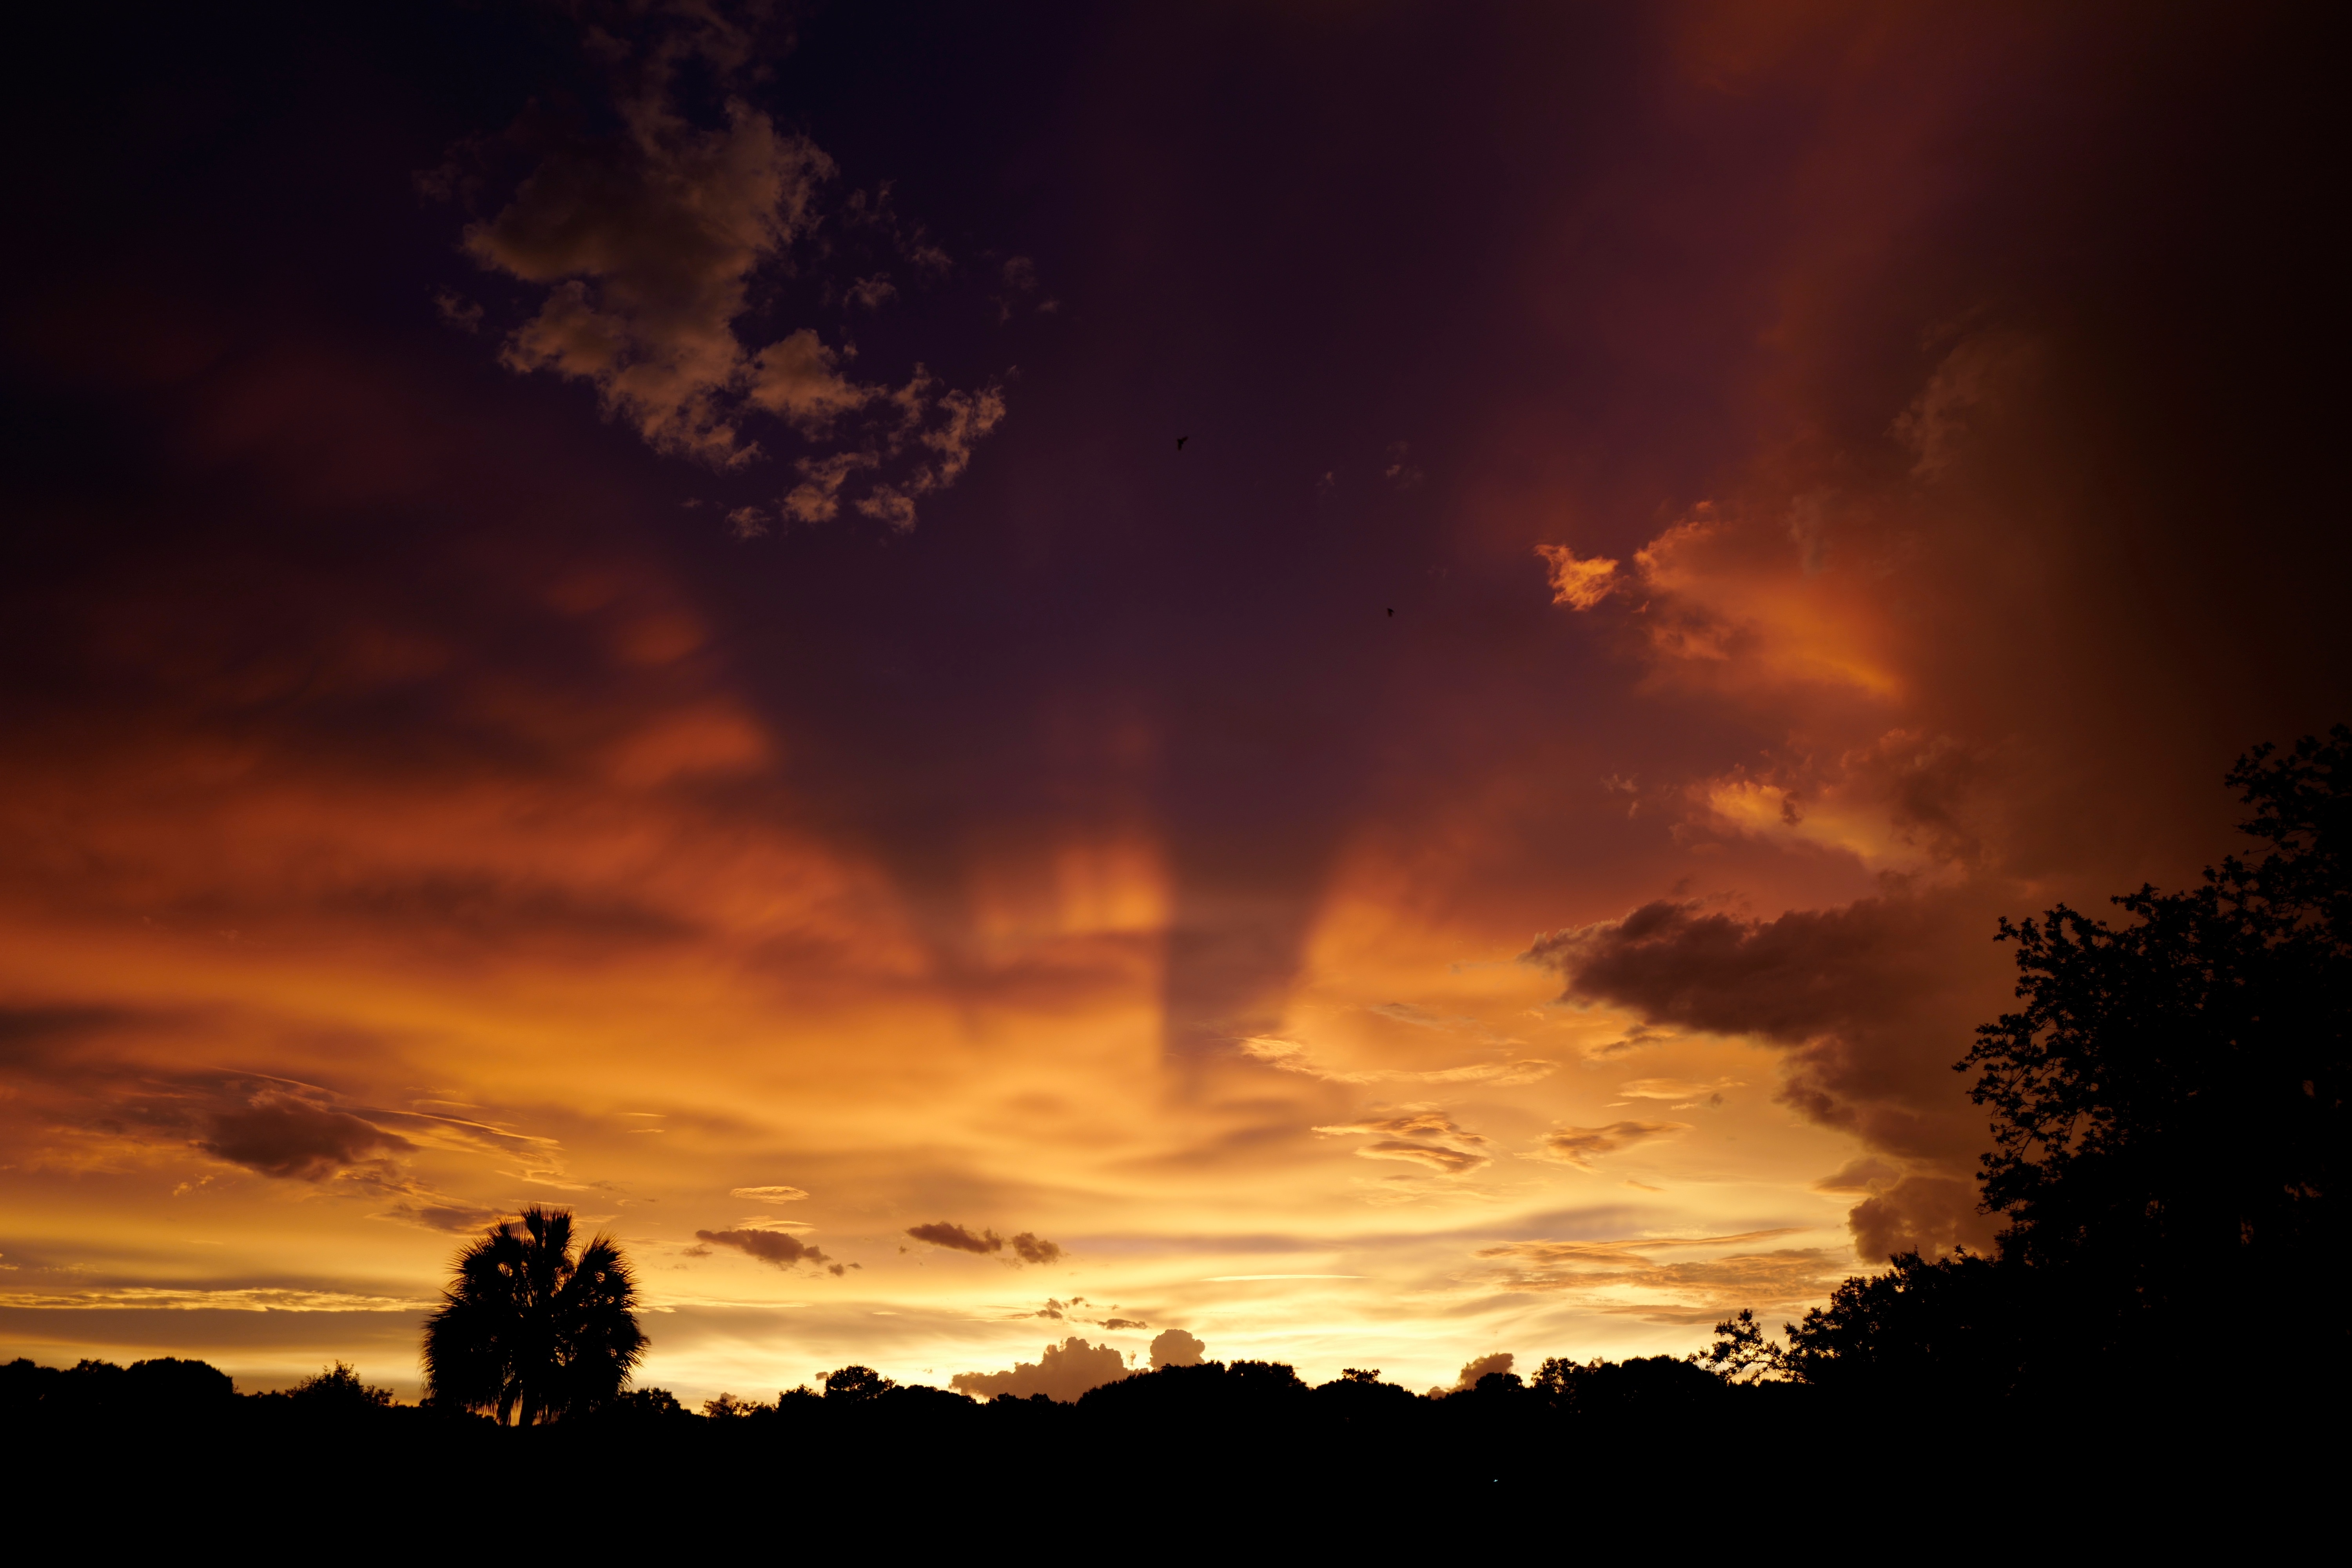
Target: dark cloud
[[1924, 1213], [1035, 1249], [768, 1245], [1174, 1347], [649, 239], [1792, 979], [281, 1135], [943, 1234], [1870, 1004], [1027, 1246], [443, 1216], [1485, 1367], [1063, 1373], [1125, 1323]]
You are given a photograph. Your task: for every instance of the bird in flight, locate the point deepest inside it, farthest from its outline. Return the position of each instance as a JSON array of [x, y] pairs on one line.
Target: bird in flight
[[1180, 440], [1391, 611]]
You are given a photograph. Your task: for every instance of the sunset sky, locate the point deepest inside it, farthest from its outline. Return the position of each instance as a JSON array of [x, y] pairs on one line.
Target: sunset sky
[[1364, 677]]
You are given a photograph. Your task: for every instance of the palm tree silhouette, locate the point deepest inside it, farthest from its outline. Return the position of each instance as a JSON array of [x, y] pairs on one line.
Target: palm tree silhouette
[[529, 1329]]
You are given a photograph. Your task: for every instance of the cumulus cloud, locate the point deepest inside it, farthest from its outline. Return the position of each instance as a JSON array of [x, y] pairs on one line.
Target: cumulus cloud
[[1923, 1212], [1578, 1145], [648, 240], [941, 433], [1485, 1367], [1430, 1138], [780, 1247], [283, 1134], [817, 498], [1579, 585], [1063, 1373], [1174, 1347]]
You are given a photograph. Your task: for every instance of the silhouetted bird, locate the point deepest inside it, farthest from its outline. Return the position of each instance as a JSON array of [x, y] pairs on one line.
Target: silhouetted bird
[[1180, 440], [1391, 609]]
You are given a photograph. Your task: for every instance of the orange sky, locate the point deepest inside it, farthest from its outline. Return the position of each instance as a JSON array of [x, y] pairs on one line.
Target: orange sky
[[1686, 515]]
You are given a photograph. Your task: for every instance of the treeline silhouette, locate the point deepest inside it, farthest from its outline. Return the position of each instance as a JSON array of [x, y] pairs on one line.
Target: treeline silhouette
[[2167, 1110]]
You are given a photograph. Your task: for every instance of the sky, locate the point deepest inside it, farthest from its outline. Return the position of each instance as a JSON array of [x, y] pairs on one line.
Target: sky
[[1360, 680]]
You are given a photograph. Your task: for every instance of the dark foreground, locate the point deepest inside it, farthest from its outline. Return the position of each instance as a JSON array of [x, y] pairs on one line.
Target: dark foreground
[[1235, 1454]]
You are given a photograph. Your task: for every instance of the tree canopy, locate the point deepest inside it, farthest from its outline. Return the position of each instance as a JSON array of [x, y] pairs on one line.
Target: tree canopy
[[530, 1331]]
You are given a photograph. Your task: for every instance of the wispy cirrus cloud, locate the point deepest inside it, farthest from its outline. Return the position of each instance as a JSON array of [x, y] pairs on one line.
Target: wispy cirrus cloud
[[234, 1299], [1580, 1146], [1428, 1137], [1627, 1277], [1295, 1056]]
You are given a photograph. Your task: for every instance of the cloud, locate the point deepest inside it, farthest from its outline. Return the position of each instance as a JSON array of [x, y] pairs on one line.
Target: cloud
[[1413, 1123], [1292, 1056], [1026, 1247], [1624, 1277], [1627, 1251], [442, 1215], [461, 313], [1452, 1162], [1174, 1347], [1063, 1373], [1485, 1367], [648, 240], [943, 446], [768, 1194], [1443, 1145], [1974, 375], [1863, 997], [817, 498], [255, 1298], [1863, 1174], [1679, 1089], [1923, 1212], [1579, 585], [1125, 1323], [1035, 1249], [798, 379], [1578, 1145], [943, 1234], [281, 1134], [778, 1248]]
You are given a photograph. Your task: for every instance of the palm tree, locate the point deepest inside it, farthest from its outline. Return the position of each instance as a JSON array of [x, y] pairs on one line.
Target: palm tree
[[529, 1329]]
